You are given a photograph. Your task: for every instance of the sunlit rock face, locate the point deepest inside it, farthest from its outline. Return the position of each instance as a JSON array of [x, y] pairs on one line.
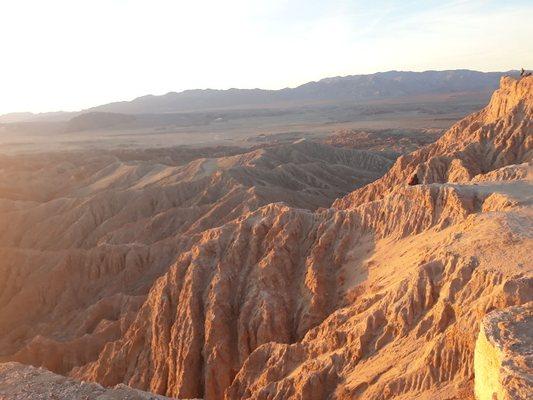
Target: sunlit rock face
[[503, 363]]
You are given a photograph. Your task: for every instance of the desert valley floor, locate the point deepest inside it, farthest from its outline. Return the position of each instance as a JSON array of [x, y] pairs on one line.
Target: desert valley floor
[[372, 264]]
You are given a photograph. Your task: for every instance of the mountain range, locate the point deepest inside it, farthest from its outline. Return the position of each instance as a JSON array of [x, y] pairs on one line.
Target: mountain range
[[353, 88]]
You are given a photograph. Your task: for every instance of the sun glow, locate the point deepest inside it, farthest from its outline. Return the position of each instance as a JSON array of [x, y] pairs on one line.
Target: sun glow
[[65, 54]]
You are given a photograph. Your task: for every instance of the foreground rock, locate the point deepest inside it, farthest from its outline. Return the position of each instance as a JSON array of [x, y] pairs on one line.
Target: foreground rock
[[504, 355], [24, 382]]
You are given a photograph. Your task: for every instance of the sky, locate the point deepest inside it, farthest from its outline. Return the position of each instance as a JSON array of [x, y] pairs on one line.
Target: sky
[[73, 54]]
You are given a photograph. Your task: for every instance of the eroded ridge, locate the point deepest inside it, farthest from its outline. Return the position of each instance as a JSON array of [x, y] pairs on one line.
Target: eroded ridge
[[380, 297]]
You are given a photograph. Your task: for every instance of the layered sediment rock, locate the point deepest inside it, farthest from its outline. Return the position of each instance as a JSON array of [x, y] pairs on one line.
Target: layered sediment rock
[[504, 355]]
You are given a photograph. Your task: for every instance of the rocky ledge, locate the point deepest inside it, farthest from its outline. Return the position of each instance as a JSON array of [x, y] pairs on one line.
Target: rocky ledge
[[503, 360], [24, 382]]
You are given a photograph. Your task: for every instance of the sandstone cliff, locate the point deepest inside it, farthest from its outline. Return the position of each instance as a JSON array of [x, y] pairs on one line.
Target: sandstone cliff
[[503, 358]]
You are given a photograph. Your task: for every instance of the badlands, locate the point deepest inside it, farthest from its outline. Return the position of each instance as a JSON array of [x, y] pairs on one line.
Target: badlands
[[303, 270]]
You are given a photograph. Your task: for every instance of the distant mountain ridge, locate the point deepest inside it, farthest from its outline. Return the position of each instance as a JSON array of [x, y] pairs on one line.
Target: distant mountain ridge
[[380, 85], [355, 88]]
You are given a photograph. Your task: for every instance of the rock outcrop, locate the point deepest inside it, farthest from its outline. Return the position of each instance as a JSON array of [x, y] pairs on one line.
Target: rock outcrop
[[23, 382], [501, 134], [504, 355]]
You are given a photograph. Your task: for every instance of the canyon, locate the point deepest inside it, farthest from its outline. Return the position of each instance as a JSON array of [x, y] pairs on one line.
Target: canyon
[[363, 266]]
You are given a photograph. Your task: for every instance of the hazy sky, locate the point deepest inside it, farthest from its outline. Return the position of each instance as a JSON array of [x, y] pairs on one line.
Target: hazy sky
[[72, 54]]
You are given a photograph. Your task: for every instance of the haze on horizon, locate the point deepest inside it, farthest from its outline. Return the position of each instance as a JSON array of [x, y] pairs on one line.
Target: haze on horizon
[[70, 55]]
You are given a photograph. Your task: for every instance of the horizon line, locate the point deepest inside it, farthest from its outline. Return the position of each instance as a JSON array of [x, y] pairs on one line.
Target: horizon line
[[12, 113]]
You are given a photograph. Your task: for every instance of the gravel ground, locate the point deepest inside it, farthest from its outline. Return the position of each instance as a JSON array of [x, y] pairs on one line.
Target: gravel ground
[[24, 382]]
